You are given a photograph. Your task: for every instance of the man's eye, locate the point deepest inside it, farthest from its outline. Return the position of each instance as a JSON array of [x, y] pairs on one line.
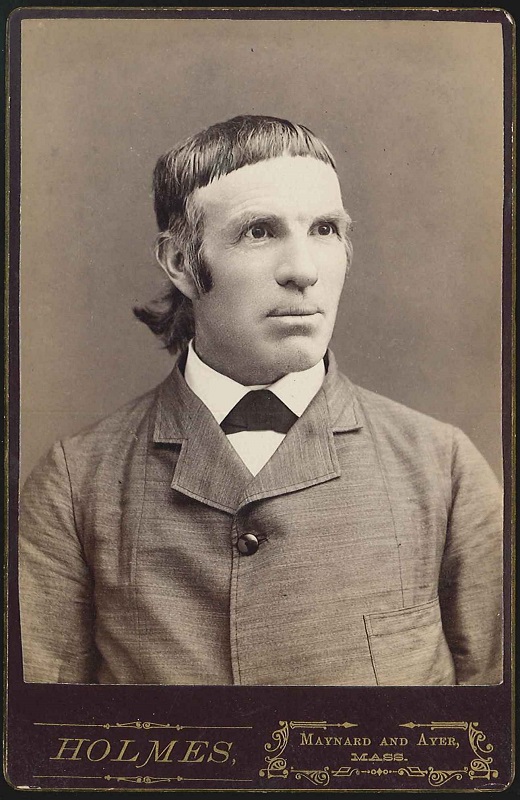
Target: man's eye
[[325, 229], [257, 232]]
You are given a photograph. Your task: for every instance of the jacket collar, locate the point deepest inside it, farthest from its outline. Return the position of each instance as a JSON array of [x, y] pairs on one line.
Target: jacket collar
[[209, 469]]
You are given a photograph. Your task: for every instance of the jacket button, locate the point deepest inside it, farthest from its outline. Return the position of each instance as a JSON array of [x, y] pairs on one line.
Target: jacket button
[[247, 544]]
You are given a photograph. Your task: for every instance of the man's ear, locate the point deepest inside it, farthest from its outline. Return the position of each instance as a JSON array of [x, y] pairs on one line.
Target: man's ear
[[173, 262]]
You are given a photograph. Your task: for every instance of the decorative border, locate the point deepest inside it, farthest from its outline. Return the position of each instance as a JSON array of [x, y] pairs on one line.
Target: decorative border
[[142, 725], [478, 768], [144, 778]]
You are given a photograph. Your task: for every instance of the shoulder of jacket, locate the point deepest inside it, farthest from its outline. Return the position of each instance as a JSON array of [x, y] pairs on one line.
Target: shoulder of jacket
[[115, 429], [382, 411]]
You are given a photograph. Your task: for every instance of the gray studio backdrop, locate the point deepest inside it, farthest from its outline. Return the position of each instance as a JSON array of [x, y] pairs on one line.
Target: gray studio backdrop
[[413, 112]]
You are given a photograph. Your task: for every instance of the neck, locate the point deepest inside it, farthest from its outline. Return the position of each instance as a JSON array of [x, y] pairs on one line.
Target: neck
[[252, 376]]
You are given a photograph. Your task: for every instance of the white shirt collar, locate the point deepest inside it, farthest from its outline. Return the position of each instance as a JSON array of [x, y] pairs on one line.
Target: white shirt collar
[[220, 393]]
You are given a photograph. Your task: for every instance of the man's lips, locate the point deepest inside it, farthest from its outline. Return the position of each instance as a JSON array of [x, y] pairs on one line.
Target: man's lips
[[293, 311]]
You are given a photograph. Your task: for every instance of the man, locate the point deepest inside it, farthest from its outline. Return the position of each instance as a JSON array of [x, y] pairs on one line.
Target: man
[[257, 519]]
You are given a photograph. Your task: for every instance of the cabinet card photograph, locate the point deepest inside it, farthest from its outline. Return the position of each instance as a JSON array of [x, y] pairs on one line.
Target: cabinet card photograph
[[260, 399]]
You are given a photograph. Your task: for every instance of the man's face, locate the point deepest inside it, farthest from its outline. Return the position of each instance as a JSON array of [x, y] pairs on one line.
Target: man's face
[[274, 243]]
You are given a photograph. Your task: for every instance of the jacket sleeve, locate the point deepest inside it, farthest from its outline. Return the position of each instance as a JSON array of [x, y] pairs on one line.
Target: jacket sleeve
[[56, 589], [470, 586]]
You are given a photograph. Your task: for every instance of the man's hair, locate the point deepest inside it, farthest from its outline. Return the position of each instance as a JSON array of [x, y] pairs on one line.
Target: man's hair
[[193, 164]]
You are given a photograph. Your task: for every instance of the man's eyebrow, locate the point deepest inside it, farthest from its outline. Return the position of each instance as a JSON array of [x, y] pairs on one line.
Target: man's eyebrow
[[338, 215], [247, 218], [242, 222]]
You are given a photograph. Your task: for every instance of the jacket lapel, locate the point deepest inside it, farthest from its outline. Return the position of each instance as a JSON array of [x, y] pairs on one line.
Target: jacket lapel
[[210, 471], [208, 468], [307, 455]]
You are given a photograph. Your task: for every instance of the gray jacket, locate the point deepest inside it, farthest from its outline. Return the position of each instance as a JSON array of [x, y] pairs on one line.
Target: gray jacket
[[379, 558]]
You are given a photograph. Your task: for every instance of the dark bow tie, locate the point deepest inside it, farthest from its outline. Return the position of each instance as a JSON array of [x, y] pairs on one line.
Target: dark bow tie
[[259, 410]]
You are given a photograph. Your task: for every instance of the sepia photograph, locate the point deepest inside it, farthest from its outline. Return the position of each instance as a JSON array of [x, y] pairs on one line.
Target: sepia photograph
[[262, 373]]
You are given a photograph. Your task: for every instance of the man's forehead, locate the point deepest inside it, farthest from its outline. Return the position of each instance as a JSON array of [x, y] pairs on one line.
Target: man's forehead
[[284, 181]]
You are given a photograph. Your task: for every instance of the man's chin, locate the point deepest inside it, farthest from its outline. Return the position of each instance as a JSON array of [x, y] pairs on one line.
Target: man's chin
[[268, 365], [300, 360]]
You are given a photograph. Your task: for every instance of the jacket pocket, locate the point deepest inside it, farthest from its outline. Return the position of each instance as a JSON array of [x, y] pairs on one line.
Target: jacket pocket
[[408, 647]]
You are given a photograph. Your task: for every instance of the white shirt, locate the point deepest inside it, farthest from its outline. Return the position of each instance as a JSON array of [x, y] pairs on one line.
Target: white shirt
[[220, 394]]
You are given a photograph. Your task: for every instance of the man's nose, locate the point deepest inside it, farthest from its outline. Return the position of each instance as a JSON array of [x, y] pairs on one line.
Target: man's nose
[[297, 264]]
